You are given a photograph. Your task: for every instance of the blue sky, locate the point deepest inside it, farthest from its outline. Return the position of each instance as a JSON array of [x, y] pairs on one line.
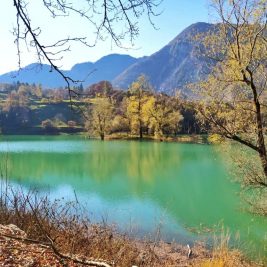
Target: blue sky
[[176, 16]]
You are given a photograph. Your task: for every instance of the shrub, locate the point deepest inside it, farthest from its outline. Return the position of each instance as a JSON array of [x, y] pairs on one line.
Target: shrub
[[47, 124], [72, 123]]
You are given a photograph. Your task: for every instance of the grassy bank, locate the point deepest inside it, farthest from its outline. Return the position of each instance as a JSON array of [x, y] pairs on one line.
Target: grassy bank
[[72, 240]]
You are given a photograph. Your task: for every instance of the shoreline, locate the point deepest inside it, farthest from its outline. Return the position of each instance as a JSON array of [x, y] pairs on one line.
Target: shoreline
[[183, 138], [17, 248]]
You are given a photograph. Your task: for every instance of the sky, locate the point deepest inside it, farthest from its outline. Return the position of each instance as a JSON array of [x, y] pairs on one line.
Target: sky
[[175, 16]]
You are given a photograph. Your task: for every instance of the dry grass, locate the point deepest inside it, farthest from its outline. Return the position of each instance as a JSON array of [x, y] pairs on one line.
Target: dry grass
[[63, 227], [225, 258]]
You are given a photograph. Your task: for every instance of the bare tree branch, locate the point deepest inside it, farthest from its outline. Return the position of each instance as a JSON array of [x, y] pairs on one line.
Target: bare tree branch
[[103, 15]]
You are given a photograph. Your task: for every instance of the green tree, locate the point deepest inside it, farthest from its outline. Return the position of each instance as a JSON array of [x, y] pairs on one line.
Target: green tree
[[80, 89]]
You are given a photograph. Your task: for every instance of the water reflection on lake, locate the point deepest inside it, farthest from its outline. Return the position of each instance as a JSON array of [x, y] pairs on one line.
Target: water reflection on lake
[[136, 184]]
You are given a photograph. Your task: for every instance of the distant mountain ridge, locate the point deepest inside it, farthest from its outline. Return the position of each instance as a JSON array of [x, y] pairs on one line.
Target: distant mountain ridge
[[172, 67], [106, 68]]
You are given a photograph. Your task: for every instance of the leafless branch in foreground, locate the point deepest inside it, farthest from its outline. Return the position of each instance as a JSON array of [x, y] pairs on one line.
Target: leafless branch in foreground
[[103, 15]]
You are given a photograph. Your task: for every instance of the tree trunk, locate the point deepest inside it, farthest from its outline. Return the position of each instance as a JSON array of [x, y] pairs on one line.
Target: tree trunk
[[140, 132], [261, 142], [140, 120], [264, 166]]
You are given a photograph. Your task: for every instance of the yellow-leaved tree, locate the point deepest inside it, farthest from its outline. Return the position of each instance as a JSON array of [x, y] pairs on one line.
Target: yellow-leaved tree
[[233, 98], [139, 95], [100, 116], [161, 113]]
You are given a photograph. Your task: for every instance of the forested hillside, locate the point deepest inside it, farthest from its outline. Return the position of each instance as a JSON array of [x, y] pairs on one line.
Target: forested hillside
[[98, 110]]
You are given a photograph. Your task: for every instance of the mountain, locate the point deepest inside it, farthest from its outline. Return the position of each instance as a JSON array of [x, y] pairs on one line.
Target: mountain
[[34, 73], [106, 68], [172, 67]]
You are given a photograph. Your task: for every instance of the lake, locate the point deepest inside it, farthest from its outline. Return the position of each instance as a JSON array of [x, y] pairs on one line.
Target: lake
[[139, 186]]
